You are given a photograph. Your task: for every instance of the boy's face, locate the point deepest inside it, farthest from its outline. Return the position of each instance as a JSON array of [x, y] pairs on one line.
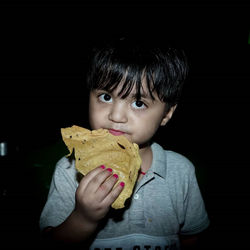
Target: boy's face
[[138, 120]]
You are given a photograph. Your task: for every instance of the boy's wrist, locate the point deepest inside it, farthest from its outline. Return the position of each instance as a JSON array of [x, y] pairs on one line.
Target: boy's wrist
[[74, 229], [83, 221]]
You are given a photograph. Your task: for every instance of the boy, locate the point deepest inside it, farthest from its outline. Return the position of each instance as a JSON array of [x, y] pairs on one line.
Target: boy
[[134, 89]]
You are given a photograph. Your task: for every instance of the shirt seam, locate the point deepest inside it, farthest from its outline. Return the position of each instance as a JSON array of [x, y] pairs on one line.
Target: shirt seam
[[196, 229]]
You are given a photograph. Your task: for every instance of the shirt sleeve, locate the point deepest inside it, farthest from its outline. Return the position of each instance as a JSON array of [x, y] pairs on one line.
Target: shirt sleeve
[[61, 198], [196, 218]]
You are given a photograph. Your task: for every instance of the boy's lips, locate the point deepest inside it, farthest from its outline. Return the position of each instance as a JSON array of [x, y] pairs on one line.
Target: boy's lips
[[116, 132]]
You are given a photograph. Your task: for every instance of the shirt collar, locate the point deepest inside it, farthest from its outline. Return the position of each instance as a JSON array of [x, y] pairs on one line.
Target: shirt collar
[[159, 160]]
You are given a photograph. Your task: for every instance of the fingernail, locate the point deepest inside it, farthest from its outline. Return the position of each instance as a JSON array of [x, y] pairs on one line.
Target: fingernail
[[102, 166], [115, 175], [109, 169], [122, 184]]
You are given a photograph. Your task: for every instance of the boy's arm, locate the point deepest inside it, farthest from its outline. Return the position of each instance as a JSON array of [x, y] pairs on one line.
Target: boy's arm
[[189, 242], [74, 229], [94, 196], [195, 241]]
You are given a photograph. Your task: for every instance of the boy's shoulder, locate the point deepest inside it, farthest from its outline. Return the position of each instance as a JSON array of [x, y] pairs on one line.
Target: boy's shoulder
[[65, 171], [172, 161], [178, 159], [65, 165], [64, 162]]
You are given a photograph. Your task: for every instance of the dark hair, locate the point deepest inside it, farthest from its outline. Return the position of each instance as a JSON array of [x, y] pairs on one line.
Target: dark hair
[[128, 60]]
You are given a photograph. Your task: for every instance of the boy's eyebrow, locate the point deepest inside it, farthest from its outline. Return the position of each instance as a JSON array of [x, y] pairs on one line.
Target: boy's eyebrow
[[144, 95], [133, 95], [141, 95]]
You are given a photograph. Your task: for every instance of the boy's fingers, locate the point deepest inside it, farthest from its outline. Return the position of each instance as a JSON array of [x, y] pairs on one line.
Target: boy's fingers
[[100, 182], [89, 176], [106, 187], [113, 195], [95, 183]]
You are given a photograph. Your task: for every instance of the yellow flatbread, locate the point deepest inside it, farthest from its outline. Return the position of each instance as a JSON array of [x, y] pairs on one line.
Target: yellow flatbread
[[99, 147]]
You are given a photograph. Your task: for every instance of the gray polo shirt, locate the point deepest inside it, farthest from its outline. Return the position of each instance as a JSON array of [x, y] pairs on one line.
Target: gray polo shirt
[[165, 203]]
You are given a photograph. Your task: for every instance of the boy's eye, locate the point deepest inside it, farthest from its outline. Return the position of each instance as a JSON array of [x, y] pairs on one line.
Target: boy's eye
[[138, 105], [105, 97]]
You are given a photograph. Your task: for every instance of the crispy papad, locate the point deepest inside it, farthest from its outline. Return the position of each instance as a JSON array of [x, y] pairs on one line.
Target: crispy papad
[[99, 147]]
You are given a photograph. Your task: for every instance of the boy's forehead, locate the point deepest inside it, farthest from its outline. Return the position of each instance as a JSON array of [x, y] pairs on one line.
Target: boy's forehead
[[143, 90]]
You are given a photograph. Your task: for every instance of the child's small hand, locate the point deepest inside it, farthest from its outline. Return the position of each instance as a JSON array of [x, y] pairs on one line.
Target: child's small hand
[[95, 194]]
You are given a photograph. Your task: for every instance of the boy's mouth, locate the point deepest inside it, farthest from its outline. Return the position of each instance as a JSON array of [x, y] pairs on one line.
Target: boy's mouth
[[116, 132]]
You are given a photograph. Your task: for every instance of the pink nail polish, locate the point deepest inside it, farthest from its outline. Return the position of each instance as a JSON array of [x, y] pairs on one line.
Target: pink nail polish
[[116, 176], [109, 169], [102, 166], [122, 184]]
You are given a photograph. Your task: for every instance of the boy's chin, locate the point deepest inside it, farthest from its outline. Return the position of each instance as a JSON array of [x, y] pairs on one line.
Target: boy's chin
[[128, 137]]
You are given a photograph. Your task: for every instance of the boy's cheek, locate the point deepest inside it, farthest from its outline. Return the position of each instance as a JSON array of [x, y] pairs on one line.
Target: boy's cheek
[[96, 121]]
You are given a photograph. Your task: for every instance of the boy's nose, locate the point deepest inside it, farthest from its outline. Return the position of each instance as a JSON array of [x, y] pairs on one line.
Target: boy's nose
[[118, 113]]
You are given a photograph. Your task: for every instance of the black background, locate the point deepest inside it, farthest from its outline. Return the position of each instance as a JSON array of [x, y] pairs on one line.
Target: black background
[[43, 53]]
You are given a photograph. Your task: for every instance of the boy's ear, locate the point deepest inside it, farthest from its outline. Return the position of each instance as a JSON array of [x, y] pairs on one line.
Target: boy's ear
[[168, 115]]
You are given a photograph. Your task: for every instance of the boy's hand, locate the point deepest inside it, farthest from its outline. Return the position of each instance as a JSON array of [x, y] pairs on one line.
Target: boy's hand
[[95, 194]]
